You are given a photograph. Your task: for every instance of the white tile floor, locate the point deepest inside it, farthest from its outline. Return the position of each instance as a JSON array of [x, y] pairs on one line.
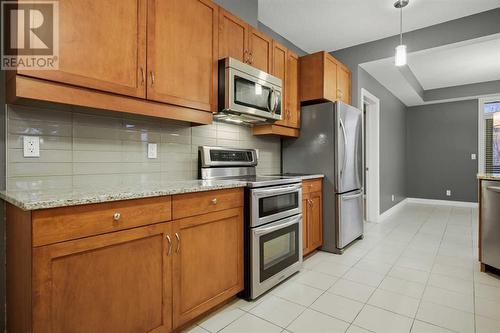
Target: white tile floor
[[415, 272]]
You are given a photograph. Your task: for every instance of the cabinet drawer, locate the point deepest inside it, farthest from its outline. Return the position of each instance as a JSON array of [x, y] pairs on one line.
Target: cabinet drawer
[[192, 204], [61, 224], [310, 186]]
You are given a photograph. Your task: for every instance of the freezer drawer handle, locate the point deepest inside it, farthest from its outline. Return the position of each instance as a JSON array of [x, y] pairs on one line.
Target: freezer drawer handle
[[354, 196], [493, 188]]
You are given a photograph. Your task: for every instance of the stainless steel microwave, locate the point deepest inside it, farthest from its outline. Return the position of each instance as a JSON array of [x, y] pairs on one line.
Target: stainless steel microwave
[[247, 94]]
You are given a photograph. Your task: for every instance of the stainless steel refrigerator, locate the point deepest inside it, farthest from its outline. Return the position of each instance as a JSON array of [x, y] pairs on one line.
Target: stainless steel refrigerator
[[331, 143]]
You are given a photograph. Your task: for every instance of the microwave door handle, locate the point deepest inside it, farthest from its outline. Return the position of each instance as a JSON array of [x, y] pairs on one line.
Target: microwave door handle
[[276, 101], [269, 99], [264, 231]]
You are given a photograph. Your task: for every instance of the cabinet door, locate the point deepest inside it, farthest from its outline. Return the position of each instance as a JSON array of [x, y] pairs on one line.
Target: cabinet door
[[182, 52], [116, 282], [315, 227], [305, 223], [344, 85], [101, 47], [260, 50], [207, 262], [292, 90], [330, 78], [279, 70], [233, 36]]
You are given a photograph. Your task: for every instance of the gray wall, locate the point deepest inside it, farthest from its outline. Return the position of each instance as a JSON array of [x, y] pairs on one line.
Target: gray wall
[[245, 9], [440, 140], [392, 142]]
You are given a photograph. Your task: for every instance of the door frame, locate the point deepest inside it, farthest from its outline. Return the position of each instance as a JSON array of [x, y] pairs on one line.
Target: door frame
[[372, 149]]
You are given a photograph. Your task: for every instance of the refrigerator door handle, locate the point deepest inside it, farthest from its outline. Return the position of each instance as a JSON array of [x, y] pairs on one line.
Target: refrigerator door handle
[[351, 197], [344, 161]]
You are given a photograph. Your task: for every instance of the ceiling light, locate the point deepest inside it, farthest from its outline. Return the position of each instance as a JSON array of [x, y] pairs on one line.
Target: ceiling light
[[401, 48]]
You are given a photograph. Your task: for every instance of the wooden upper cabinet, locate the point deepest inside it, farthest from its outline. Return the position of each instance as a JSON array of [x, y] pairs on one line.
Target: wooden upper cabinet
[[116, 282], [292, 90], [344, 84], [101, 47], [279, 57], [183, 52], [207, 262], [260, 50], [324, 78], [233, 36], [330, 79]]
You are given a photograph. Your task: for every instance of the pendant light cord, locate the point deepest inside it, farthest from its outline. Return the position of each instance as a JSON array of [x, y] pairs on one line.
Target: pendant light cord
[[401, 23]]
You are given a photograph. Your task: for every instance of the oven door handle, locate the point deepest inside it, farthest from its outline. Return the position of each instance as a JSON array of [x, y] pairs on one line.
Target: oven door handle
[[267, 230], [276, 191]]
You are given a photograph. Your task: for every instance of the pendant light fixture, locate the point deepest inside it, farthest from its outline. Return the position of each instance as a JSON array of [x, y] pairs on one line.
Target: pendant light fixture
[[401, 48]]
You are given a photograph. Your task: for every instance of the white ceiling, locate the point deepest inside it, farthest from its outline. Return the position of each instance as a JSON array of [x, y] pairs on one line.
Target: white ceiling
[[454, 66], [329, 25]]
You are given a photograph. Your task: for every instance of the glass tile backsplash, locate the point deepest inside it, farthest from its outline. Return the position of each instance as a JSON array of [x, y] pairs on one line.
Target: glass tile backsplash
[[80, 147]]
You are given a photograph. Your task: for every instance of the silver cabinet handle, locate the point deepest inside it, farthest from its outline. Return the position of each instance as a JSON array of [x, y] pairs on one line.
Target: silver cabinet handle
[[245, 57], [169, 252], [142, 76], [117, 216], [214, 201], [178, 242], [310, 202], [152, 74]]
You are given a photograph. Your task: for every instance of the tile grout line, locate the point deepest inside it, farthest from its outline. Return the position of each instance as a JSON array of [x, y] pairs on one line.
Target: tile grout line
[[433, 263]]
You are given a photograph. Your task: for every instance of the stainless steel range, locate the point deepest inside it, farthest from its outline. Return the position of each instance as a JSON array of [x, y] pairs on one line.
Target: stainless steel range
[[273, 216]]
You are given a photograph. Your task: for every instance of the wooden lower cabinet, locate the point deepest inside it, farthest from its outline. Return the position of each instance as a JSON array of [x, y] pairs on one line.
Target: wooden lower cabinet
[[208, 262], [146, 278], [312, 216], [117, 282]]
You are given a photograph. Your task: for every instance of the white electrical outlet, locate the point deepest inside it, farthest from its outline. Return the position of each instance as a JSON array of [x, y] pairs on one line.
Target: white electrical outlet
[[473, 157], [448, 193], [31, 146], [152, 150], [393, 198]]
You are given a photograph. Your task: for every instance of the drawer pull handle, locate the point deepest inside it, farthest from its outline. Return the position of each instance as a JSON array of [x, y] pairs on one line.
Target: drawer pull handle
[[117, 216], [214, 201], [178, 243], [169, 246]]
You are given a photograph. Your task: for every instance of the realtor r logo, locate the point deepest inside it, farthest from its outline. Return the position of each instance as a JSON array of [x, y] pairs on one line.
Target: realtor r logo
[[30, 35]]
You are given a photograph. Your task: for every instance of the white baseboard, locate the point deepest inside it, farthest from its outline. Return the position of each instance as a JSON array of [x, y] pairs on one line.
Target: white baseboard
[[391, 211], [442, 202]]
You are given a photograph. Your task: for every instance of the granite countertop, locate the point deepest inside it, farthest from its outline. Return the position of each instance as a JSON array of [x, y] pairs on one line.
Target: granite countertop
[[302, 176], [34, 200], [488, 176]]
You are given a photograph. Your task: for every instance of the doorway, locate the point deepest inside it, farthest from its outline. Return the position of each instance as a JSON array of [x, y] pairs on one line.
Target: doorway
[[371, 110]]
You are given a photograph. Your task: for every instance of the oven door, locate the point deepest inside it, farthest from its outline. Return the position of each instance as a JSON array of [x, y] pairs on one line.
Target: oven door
[[274, 203], [251, 95], [276, 253]]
